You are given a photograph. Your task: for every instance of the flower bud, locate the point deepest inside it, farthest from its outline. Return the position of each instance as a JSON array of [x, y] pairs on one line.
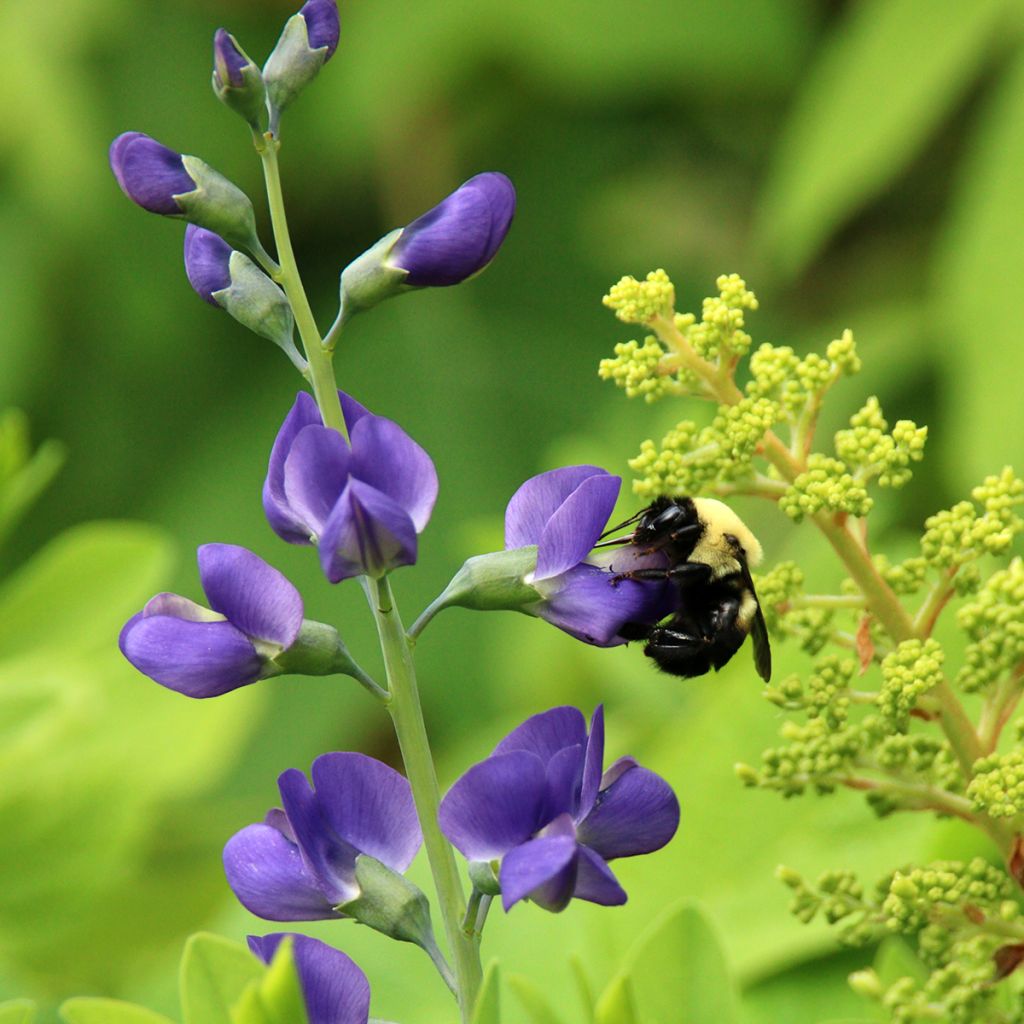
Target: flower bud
[[227, 278], [307, 43], [162, 181], [237, 81], [446, 245], [389, 904]]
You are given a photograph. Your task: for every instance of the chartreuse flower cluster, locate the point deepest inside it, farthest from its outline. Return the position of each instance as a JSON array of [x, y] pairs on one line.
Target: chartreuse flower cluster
[[541, 818], [882, 709]]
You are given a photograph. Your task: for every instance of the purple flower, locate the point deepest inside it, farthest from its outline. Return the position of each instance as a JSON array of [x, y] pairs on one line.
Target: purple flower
[[300, 863], [362, 502], [207, 260], [459, 236], [334, 989], [323, 26], [256, 614], [149, 173], [563, 513], [541, 806]]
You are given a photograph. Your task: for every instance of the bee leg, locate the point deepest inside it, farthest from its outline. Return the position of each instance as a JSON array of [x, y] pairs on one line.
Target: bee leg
[[683, 574], [679, 653], [635, 631], [683, 533]]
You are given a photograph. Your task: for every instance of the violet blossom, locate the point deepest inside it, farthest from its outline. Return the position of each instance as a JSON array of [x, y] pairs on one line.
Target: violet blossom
[[563, 512], [362, 502], [333, 987], [255, 614], [541, 807], [300, 863]]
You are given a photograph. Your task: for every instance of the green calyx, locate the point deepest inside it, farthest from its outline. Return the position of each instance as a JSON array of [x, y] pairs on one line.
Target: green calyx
[[318, 651], [257, 303], [368, 279], [218, 205], [249, 99], [292, 65]]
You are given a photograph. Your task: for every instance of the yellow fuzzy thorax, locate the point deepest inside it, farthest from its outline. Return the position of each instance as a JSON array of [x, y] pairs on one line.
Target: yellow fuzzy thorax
[[712, 548]]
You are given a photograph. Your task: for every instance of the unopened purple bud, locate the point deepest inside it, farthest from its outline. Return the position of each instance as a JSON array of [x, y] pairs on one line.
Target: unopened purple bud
[[459, 236], [207, 259], [308, 41], [237, 81], [322, 24], [149, 173]]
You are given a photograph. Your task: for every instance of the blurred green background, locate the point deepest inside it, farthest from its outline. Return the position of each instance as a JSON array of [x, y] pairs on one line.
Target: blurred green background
[[859, 163]]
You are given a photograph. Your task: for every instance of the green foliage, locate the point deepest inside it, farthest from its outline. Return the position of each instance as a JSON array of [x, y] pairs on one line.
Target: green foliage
[[84, 1010], [214, 976], [488, 1003], [17, 1011]]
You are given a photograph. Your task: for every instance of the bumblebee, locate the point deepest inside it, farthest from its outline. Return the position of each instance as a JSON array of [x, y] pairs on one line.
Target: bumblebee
[[709, 552]]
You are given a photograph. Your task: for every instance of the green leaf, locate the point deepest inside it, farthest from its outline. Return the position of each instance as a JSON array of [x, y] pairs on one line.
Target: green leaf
[[978, 333], [86, 1010], [80, 589], [888, 75], [250, 1009], [488, 1002], [17, 1011], [617, 1005], [537, 1006], [895, 959], [214, 976], [279, 991], [678, 971]]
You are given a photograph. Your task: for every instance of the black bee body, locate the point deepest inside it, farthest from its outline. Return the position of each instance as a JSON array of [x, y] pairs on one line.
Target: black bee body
[[708, 551]]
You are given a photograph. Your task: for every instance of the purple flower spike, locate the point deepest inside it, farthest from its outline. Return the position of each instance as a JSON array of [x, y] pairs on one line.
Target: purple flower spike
[[300, 863], [563, 512], [228, 60], [254, 615], [149, 173], [459, 236], [323, 26], [362, 503], [541, 806], [334, 989], [207, 259]]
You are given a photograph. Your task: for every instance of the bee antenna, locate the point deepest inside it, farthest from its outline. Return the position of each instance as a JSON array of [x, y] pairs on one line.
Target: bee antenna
[[625, 539], [614, 529]]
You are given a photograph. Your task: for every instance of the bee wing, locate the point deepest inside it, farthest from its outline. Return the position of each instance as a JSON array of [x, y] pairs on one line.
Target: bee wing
[[759, 634]]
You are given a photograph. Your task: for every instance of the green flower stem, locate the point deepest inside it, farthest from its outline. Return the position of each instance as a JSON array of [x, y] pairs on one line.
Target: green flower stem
[[926, 798], [321, 373], [999, 705], [407, 716], [937, 599]]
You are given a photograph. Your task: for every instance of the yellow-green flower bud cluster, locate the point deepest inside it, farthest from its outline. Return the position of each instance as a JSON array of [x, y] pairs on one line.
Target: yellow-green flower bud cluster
[[873, 452], [690, 459], [720, 330], [909, 671], [924, 756], [777, 586], [994, 621], [826, 694], [637, 369], [827, 485], [920, 894], [958, 535], [998, 784], [906, 577], [640, 302]]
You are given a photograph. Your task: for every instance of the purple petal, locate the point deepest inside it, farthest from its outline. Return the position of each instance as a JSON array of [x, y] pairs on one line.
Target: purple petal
[[267, 874], [370, 805], [206, 262], [322, 25], [334, 989], [543, 870], [538, 499], [254, 596], [586, 604], [352, 410], [595, 881], [327, 857], [228, 60], [616, 770], [547, 733], [459, 236], [315, 473], [366, 534], [180, 608], [149, 173], [276, 818], [283, 521], [564, 772], [198, 659], [593, 763], [494, 806], [638, 813], [387, 458], [575, 526]]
